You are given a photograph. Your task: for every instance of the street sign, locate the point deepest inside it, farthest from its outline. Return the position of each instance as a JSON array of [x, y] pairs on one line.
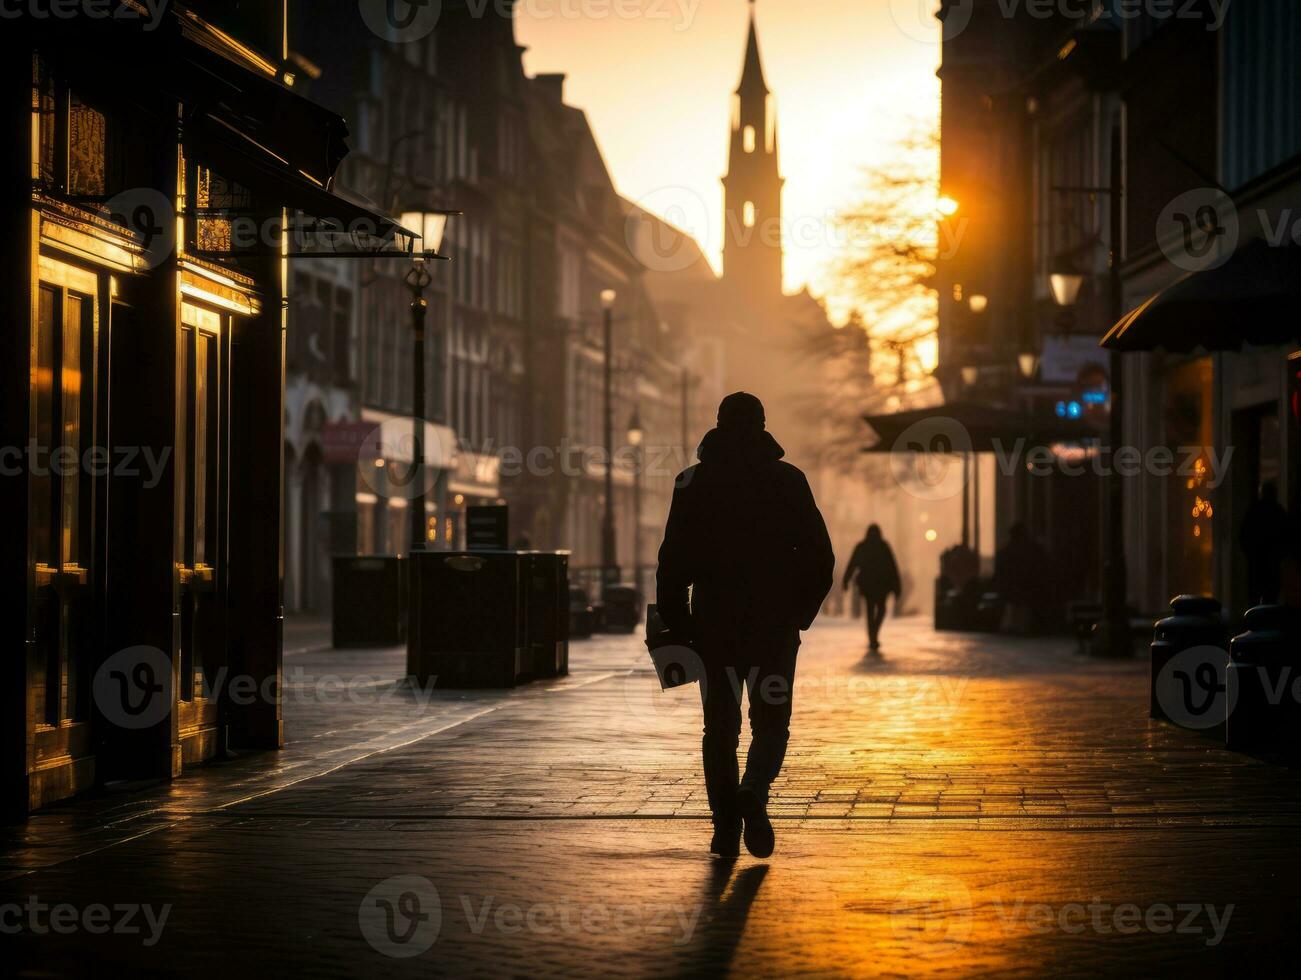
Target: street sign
[[487, 528], [1067, 358], [341, 442]]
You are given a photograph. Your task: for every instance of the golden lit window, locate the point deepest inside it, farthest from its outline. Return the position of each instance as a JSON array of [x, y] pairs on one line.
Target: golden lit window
[[747, 214], [219, 198], [747, 139], [43, 109], [86, 147]]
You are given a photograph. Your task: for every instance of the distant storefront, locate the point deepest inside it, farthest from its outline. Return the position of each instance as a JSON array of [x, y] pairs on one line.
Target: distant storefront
[[474, 481], [1189, 424]]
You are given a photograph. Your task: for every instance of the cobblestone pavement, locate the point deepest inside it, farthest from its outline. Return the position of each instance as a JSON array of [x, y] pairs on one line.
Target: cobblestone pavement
[[960, 806]]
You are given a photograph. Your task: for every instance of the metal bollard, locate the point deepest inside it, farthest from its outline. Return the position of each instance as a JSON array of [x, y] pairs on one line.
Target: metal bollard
[[1262, 684], [1197, 621]]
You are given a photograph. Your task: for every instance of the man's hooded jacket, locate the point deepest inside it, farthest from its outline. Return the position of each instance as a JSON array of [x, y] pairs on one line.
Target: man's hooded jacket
[[744, 540]]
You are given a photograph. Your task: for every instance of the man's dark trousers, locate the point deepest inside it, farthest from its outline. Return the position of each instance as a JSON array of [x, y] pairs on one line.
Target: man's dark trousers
[[763, 666], [875, 617]]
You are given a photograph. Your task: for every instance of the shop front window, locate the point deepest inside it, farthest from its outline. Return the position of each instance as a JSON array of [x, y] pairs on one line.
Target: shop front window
[[1190, 495], [75, 153]]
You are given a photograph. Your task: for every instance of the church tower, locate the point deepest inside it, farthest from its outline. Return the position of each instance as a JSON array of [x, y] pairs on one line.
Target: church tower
[[752, 245]]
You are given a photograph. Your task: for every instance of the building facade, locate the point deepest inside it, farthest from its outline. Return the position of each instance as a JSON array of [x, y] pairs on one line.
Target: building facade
[[145, 379], [1114, 136], [514, 353]]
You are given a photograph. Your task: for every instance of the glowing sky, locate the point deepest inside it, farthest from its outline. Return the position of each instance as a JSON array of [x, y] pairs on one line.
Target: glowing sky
[[655, 78]]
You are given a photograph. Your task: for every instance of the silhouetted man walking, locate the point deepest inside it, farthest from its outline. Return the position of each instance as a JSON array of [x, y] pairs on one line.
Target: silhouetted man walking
[[745, 565], [878, 578]]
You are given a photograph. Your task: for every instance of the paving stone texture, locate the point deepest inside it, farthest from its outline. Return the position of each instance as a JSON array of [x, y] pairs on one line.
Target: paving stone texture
[[960, 806]]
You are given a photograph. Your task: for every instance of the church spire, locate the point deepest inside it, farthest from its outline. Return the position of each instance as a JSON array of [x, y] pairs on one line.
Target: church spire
[[752, 80], [752, 247]]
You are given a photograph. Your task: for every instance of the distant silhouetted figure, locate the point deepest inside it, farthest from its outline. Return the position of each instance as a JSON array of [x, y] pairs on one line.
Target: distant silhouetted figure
[[1264, 540], [877, 572], [1021, 578], [745, 565]]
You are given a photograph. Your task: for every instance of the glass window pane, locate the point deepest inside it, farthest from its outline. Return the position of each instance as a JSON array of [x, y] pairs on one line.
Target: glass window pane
[[201, 448], [43, 108], [42, 484], [86, 149], [71, 383], [183, 437]]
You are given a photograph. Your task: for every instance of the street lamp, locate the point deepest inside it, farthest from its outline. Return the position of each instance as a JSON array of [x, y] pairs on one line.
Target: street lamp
[[1066, 287], [1112, 636], [978, 303], [430, 226], [635, 436], [609, 560], [1028, 362]]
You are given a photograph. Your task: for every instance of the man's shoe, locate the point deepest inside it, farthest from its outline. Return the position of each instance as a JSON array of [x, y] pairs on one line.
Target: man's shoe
[[727, 840], [759, 839]]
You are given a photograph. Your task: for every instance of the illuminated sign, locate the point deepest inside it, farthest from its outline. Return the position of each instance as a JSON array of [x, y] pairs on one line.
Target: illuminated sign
[[1070, 410]]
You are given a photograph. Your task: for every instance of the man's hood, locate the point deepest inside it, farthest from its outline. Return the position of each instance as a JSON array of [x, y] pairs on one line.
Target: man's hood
[[739, 448]]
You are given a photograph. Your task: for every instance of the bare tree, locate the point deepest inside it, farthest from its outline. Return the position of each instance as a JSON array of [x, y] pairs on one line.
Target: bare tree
[[873, 363]]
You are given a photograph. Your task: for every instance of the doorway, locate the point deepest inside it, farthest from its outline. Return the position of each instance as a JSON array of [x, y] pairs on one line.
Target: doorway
[[201, 461], [65, 525]]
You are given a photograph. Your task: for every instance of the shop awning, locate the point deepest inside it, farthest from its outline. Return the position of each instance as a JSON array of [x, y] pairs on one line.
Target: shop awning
[[1254, 300], [236, 156], [959, 427], [244, 123]]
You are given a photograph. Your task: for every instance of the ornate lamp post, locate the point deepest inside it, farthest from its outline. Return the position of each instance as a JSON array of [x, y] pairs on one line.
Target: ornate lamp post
[[609, 559], [1112, 637], [431, 225], [635, 436]]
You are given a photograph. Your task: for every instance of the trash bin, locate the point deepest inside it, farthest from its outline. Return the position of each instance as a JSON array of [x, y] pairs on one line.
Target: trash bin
[[547, 579], [1197, 621], [469, 623], [621, 612], [582, 616], [1261, 709], [369, 601]]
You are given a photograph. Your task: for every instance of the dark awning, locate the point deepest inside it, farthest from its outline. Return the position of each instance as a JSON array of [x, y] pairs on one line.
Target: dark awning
[[310, 139], [1254, 299], [237, 157], [244, 123], [177, 57], [970, 427]]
